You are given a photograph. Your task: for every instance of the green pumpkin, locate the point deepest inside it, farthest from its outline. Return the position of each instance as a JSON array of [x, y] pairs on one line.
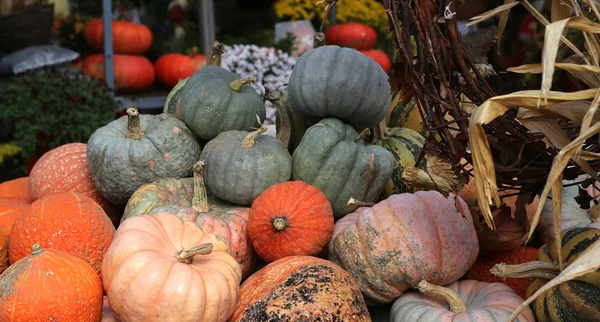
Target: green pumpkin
[[405, 146], [330, 81], [333, 157], [240, 165], [138, 149], [172, 103], [215, 100]]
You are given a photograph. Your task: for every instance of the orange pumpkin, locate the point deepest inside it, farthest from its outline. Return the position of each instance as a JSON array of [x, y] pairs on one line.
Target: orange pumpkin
[[353, 35], [50, 285], [161, 268], [16, 189], [66, 221], [10, 210], [128, 37], [290, 218], [380, 57], [132, 73], [173, 67], [300, 288], [3, 252]]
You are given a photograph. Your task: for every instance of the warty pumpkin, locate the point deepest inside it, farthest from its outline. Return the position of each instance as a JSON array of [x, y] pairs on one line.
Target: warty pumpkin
[[161, 268], [16, 189], [463, 301], [334, 158], [132, 73], [138, 149], [300, 288], [290, 218], [50, 285], [330, 81], [128, 37], [215, 100], [240, 165], [391, 246], [188, 199]]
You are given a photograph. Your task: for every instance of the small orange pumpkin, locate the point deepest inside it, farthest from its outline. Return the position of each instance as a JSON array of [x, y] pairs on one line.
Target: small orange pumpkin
[[290, 218], [50, 285], [16, 189], [10, 210]]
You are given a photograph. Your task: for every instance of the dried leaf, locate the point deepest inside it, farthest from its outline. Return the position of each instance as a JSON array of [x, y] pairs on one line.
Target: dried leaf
[[439, 176], [590, 79], [505, 8], [574, 111], [569, 67], [478, 43], [560, 10]]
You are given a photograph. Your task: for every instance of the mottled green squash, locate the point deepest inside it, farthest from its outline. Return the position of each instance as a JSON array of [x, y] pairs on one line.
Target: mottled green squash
[[333, 157], [138, 149], [406, 115], [172, 103]]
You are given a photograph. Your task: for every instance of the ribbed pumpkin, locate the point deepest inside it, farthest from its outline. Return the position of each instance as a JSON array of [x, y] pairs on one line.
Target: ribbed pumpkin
[[380, 57], [333, 157], [173, 67], [172, 104], [354, 35], [50, 285], [161, 268], [240, 165], [300, 288], [10, 210], [16, 189], [132, 73], [290, 218], [330, 81], [3, 252], [391, 246], [128, 37], [187, 198], [215, 100], [138, 149], [65, 221], [463, 301]]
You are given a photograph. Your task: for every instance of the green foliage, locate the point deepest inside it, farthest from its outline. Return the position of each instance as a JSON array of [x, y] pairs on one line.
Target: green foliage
[[46, 109]]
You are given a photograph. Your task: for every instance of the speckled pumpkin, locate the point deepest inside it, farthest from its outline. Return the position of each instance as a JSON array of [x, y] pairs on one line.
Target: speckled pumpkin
[[333, 157], [331, 81], [66, 221], [187, 198], [50, 285], [300, 288], [215, 100], [391, 246], [16, 189], [138, 149], [240, 165], [10, 210]]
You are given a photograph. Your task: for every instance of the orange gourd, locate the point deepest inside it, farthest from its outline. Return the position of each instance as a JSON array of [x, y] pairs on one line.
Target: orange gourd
[[50, 285], [10, 210], [16, 189], [132, 73], [3, 252], [290, 218], [128, 37], [380, 57], [161, 268], [173, 67], [354, 35], [66, 221]]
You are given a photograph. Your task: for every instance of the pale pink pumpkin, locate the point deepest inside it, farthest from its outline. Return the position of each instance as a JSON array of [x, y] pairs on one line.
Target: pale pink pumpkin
[[391, 246]]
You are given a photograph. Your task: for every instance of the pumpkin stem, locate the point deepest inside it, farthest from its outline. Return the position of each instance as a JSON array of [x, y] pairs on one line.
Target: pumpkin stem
[[595, 213], [214, 55], [134, 130], [200, 198], [357, 203], [457, 305], [535, 269], [438, 175], [36, 249], [283, 120], [250, 139], [362, 134], [280, 223], [186, 255], [381, 131], [237, 84], [319, 40]]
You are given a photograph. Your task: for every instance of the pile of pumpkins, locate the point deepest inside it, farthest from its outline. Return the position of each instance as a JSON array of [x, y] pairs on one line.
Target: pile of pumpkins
[[218, 221]]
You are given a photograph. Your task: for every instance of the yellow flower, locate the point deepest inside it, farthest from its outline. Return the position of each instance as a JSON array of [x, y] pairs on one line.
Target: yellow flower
[[79, 27], [8, 150]]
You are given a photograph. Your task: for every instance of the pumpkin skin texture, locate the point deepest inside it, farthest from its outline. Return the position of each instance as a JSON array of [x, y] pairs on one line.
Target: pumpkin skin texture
[[484, 302], [329, 158], [128, 37], [120, 163], [351, 86], [209, 105], [403, 239], [145, 280], [50, 285], [16, 189], [172, 104], [290, 218], [65, 221], [10, 210], [132, 73], [240, 165], [3, 252], [300, 288], [380, 57]]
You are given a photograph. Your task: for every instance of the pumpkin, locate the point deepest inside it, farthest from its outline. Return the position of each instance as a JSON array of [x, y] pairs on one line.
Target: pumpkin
[[138, 149], [459, 301], [405, 114], [290, 218], [173, 67], [3, 252], [333, 157], [240, 165], [300, 288], [172, 103], [161, 268], [50, 285], [10, 210], [65, 221], [128, 37], [391, 246], [380, 57], [107, 313], [353, 35], [187, 198], [16, 189], [480, 271], [573, 300], [131, 73], [215, 100], [330, 81]]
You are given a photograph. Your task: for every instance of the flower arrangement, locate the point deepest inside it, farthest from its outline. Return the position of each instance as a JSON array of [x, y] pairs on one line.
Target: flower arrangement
[[69, 31]]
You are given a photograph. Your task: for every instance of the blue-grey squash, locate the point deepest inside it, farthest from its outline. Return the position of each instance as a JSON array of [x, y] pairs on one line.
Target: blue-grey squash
[[331, 81]]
